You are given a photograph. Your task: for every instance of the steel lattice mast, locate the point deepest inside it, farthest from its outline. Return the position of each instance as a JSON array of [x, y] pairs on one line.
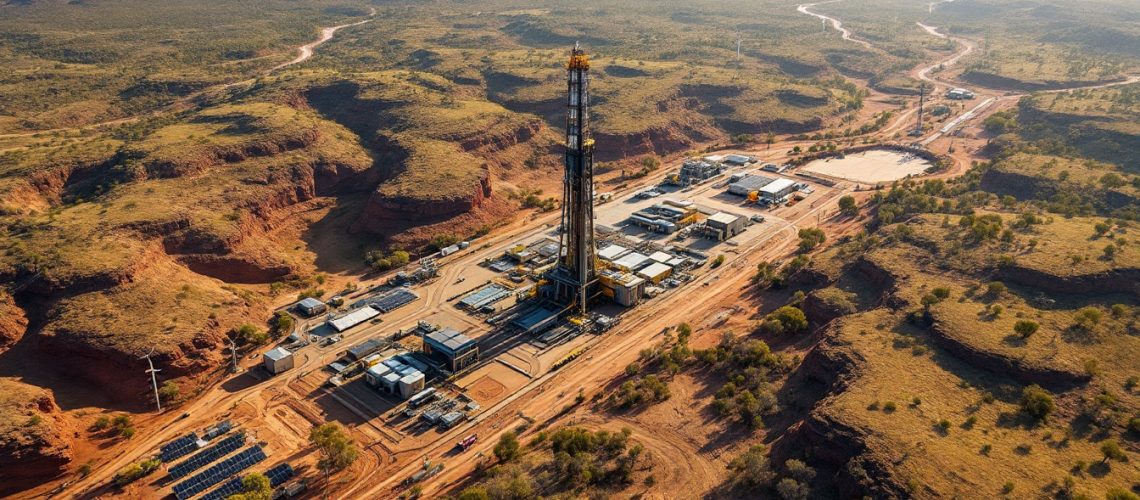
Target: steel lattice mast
[[575, 277]]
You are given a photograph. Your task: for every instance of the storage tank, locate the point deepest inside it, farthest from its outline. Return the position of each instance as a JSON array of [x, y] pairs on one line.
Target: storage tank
[[411, 384]]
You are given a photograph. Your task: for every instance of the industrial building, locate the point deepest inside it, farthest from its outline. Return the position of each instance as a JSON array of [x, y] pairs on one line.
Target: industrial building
[[451, 348], [375, 374], [365, 349], [960, 94], [697, 171], [484, 297], [278, 360], [723, 225], [612, 252], [411, 384], [656, 272], [624, 288], [777, 189], [310, 307], [631, 262], [353, 318], [749, 184], [738, 159]]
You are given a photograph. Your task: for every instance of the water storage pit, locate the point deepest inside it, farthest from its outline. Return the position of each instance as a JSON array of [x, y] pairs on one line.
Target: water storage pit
[[871, 167]]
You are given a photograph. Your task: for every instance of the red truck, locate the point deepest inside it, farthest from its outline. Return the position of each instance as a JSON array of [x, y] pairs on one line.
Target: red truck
[[467, 442]]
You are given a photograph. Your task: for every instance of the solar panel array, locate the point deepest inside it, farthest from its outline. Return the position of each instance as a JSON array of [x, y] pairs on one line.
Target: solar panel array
[[392, 300], [219, 472], [204, 457], [178, 448], [223, 427], [277, 476]]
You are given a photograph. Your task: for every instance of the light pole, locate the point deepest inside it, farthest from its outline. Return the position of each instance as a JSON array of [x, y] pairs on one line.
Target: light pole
[[153, 379]]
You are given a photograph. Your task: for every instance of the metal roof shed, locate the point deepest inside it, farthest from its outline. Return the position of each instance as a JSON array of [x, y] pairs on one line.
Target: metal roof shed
[[632, 262], [353, 318], [612, 252], [655, 272]]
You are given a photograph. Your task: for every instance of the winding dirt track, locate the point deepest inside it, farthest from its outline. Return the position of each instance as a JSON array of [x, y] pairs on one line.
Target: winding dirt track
[[835, 23], [304, 53]]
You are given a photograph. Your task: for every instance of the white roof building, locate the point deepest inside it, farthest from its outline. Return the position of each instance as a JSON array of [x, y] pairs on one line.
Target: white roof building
[[723, 218], [632, 261], [353, 318], [661, 257], [612, 252], [655, 272], [778, 187]]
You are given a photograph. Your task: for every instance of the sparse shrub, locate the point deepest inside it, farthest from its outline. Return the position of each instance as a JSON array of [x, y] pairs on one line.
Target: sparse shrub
[[890, 407], [790, 489], [995, 288], [1025, 328], [169, 391], [970, 422], [1036, 402], [134, 472], [1120, 494], [1087, 318], [1007, 488], [101, 423], [810, 238], [944, 425], [632, 369]]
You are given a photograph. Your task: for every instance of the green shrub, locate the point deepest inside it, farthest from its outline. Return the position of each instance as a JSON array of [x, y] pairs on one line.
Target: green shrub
[[1036, 402]]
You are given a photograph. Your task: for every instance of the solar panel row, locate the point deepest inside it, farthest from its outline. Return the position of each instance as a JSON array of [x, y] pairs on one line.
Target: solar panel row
[[393, 300], [277, 476], [178, 448], [204, 457], [219, 472]]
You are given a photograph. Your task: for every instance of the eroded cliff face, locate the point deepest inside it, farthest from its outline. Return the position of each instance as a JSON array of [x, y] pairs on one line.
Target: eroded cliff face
[[13, 322], [35, 439]]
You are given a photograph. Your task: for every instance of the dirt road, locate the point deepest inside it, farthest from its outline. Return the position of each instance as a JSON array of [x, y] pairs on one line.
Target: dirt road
[[306, 51], [835, 23]]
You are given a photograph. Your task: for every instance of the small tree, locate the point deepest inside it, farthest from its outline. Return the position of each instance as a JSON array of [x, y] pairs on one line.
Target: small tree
[[1112, 451], [507, 448], [282, 322], [1037, 402], [751, 469], [254, 486], [848, 206], [251, 334], [336, 448], [1025, 328]]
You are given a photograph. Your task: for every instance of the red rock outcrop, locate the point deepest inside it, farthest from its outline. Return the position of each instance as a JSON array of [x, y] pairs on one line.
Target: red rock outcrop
[[35, 441], [13, 322]]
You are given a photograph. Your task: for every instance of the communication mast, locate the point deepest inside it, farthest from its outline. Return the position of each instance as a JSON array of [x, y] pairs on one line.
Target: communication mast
[[153, 379], [921, 103], [575, 279]]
